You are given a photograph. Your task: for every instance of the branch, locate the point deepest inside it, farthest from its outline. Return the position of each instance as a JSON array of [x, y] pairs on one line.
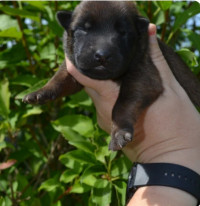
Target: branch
[[14, 202], [149, 11], [56, 41], [38, 143], [24, 42], [66, 192], [165, 25]]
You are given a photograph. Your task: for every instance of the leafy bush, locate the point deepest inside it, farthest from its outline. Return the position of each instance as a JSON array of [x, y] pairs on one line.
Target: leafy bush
[[55, 154]]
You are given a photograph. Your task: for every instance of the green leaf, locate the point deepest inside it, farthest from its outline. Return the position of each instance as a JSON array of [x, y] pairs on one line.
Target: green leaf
[[4, 98], [164, 5], [83, 145], [38, 4], [35, 202], [33, 111], [3, 145], [120, 166], [25, 80], [12, 55], [79, 123], [35, 87], [68, 133], [102, 193], [89, 180], [188, 56], [120, 188], [160, 18], [89, 175], [20, 12], [7, 22], [48, 51], [69, 176], [79, 99], [6, 201], [94, 170], [194, 38], [71, 163], [4, 185], [80, 188], [102, 152], [183, 17], [3, 64], [112, 156], [20, 155], [80, 156], [50, 13], [55, 27], [74, 138], [177, 7], [50, 184], [11, 33]]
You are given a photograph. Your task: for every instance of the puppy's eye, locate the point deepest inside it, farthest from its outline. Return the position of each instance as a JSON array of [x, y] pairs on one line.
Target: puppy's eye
[[84, 26], [87, 25], [122, 32], [121, 28]]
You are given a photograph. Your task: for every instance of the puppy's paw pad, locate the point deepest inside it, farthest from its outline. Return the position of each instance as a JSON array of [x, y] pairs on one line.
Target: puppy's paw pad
[[120, 138], [30, 98], [34, 98], [127, 136]]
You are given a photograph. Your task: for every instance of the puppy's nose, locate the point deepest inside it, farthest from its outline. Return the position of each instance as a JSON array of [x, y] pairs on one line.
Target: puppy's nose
[[101, 56]]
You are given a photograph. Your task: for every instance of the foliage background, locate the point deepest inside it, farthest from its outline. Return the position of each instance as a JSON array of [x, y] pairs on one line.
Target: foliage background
[[55, 154]]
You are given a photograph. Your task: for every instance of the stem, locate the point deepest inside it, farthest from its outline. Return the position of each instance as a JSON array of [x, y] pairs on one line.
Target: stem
[[38, 143], [66, 192], [14, 202], [56, 41], [165, 25], [39, 174], [37, 178], [24, 42], [149, 11]]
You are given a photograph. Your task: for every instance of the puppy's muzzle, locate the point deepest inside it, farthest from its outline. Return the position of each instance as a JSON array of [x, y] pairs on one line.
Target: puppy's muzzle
[[102, 56]]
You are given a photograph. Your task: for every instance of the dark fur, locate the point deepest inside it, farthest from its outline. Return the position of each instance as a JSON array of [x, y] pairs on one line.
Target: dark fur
[[109, 40]]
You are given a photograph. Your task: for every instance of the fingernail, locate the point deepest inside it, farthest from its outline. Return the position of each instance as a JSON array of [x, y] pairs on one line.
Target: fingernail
[[151, 33], [152, 29]]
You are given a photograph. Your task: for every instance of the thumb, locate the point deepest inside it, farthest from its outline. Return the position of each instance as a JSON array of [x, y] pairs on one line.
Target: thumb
[[155, 52], [158, 58]]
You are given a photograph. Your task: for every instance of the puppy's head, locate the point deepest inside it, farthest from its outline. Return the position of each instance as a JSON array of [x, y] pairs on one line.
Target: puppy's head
[[102, 37]]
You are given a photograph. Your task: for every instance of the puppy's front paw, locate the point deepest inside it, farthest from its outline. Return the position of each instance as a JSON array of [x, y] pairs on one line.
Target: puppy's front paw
[[120, 137], [38, 97]]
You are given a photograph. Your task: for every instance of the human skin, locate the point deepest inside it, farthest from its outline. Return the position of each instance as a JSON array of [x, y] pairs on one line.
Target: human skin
[[167, 131]]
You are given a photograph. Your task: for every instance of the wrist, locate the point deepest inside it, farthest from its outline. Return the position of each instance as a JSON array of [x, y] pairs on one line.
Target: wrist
[[161, 196]]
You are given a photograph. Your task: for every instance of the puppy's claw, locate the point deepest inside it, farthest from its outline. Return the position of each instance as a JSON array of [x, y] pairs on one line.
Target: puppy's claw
[[120, 138], [34, 98], [128, 136]]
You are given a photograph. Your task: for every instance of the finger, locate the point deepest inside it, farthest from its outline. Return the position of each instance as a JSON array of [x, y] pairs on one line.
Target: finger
[[84, 80], [155, 52], [100, 86], [76, 74], [158, 58]]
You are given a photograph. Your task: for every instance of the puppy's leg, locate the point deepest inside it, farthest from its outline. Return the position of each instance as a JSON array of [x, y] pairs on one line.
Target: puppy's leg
[[138, 90], [61, 84]]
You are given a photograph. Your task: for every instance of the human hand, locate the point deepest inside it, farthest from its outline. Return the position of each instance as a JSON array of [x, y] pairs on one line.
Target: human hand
[[167, 131], [103, 94]]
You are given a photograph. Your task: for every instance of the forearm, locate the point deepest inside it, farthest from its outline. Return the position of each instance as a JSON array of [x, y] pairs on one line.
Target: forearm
[[161, 196]]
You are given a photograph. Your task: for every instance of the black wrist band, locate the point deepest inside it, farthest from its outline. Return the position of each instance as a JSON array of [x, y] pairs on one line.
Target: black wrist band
[[163, 174]]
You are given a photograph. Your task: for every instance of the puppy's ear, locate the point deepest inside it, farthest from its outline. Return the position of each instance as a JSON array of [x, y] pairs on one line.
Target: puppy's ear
[[141, 24], [64, 18]]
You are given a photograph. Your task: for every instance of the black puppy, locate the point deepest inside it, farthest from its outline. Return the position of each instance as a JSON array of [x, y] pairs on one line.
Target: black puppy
[[109, 40]]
